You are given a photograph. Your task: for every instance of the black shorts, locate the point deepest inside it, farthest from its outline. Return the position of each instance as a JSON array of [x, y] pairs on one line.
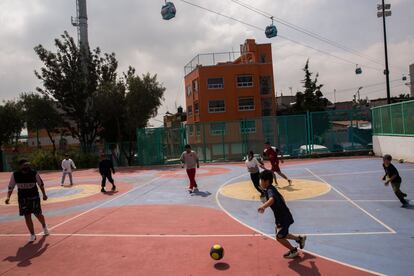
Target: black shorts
[[282, 230], [30, 205]]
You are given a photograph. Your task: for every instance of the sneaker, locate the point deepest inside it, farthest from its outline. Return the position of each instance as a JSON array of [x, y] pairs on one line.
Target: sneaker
[[45, 231], [195, 190], [301, 242], [32, 238], [103, 190], [190, 191], [290, 182], [291, 254], [405, 205], [113, 188]]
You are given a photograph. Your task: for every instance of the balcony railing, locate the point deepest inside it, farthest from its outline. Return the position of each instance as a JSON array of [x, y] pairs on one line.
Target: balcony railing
[[210, 59]]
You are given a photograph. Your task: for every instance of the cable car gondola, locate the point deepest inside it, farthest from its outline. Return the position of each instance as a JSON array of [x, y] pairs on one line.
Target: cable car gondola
[[168, 11], [271, 30], [358, 70]]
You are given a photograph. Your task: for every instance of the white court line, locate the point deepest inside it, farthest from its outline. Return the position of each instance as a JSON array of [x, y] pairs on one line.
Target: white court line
[[344, 200], [362, 172], [274, 238], [188, 235], [353, 203], [104, 203]]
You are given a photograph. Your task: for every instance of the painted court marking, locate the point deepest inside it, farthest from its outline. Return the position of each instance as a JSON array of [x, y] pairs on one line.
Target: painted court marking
[[273, 238], [104, 203], [363, 172], [353, 203]]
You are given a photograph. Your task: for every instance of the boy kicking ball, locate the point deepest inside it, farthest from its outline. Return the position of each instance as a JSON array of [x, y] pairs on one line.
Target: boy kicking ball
[[394, 178], [282, 214], [27, 180]]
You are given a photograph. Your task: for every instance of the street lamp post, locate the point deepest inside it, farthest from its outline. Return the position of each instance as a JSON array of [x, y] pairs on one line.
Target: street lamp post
[[384, 10]]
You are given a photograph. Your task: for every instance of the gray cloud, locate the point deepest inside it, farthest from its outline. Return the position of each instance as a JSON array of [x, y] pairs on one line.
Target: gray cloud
[[134, 30]]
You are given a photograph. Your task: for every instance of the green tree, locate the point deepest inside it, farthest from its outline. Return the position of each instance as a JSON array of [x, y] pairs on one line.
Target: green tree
[[11, 125], [127, 105], [73, 80], [311, 99], [41, 113]]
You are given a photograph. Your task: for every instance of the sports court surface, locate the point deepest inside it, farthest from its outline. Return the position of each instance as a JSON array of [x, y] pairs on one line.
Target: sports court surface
[[152, 226]]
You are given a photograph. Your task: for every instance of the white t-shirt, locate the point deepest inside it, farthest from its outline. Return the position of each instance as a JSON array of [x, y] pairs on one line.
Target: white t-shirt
[[252, 165], [189, 159], [67, 165]]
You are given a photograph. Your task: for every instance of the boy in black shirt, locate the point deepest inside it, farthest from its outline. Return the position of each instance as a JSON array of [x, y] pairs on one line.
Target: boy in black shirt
[[283, 217], [106, 168], [27, 180], [394, 178]]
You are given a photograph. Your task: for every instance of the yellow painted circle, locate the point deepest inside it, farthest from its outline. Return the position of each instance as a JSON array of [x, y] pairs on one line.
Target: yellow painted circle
[[300, 189], [85, 191], [217, 246]]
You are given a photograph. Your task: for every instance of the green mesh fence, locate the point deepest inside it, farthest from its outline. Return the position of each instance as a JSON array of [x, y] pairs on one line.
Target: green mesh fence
[[394, 119], [294, 135]]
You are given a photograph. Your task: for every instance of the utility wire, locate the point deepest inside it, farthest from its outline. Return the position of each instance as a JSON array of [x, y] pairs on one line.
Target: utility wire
[[364, 86], [283, 37], [309, 33]]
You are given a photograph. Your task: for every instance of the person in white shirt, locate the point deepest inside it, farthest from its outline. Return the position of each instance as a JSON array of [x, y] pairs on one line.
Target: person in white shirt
[[253, 165], [189, 159], [67, 166]]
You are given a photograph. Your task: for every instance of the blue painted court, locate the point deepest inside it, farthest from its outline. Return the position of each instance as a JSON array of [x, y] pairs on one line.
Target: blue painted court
[[354, 224]]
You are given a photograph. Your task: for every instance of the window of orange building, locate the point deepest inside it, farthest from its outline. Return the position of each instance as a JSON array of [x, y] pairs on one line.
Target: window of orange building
[[216, 106], [246, 103]]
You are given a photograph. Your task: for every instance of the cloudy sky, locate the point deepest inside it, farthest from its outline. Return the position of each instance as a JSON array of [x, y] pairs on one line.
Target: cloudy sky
[[134, 30]]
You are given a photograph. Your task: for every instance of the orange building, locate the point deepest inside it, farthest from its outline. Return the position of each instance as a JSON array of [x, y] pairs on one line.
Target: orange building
[[222, 88]]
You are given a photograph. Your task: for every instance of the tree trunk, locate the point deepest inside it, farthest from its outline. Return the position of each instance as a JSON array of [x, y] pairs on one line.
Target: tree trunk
[[54, 148], [1, 160], [37, 138]]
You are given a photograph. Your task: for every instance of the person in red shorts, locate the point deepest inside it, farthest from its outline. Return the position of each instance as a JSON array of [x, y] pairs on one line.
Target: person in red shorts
[[189, 159], [274, 161]]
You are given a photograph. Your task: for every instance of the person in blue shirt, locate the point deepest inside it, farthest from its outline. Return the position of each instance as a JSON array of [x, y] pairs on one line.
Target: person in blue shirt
[[283, 217], [106, 169], [392, 176]]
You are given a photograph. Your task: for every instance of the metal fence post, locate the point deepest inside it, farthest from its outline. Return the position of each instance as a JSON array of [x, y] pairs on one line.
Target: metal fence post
[[351, 115], [382, 128], [204, 143], [402, 116], [309, 139]]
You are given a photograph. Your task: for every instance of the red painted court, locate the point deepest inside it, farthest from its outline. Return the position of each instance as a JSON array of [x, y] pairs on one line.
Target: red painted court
[[150, 227]]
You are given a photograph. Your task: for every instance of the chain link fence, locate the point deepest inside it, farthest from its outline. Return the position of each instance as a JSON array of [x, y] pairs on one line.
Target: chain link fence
[[295, 135]]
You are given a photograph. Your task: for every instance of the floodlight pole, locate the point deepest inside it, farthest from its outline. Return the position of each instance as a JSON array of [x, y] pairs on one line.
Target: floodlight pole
[[387, 71]]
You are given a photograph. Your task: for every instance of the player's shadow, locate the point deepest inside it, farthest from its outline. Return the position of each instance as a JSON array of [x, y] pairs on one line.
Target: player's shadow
[[29, 251], [110, 193], [288, 188], [202, 194], [409, 206], [221, 266], [301, 269]]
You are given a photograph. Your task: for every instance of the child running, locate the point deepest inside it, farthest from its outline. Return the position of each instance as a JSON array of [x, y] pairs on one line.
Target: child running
[[27, 181], [67, 166], [106, 169], [274, 161], [189, 159], [282, 214], [253, 165], [394, 178]]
